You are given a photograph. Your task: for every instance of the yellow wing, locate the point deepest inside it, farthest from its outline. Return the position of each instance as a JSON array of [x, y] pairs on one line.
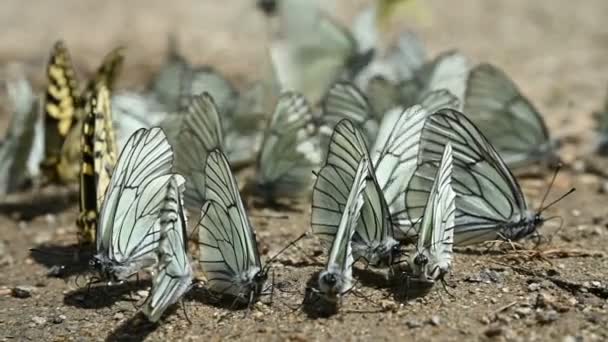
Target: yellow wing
[[388, 10], [104, 146], [87, 219], [60, 106], [108, 71], [98, 156]]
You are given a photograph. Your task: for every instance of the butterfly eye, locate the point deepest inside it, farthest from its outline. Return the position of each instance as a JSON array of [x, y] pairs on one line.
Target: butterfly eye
[[330, 279]]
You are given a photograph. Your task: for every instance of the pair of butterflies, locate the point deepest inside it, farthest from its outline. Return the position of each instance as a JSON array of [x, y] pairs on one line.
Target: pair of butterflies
[[349, 211], [142, 222], [64, 113]]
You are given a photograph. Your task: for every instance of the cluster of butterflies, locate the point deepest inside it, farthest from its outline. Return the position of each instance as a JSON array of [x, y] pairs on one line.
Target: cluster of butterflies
[[390, 145]]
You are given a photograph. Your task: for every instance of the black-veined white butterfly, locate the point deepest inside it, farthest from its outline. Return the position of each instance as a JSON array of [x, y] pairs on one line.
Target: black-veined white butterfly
[[228, 249], [489, 201], [193, 135], [433, 257], [290, 150], [128, 231], [337, 278], [514, 127], [373, 238], [173, 273]]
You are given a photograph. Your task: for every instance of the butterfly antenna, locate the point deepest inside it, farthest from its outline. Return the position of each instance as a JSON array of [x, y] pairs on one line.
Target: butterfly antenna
[[273, 258], [557, 200], [559, 166]]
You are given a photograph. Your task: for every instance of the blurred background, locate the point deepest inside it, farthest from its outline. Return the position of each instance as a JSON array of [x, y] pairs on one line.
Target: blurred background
[[555, 50]]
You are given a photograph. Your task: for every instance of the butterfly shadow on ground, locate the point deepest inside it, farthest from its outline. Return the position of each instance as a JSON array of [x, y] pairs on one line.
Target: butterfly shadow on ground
[[260, 198], [405, 288], [372, 278], [202, 295], [37, 202], [136, 328], [63, 260], [96, 296]]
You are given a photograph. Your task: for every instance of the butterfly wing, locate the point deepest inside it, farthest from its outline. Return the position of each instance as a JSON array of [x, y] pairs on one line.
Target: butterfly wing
[[488, 197], [61, 102], [207, 79], [516, 129], [436, 236], [108, 71], [173, 276], [228, 248], [128, 230], [290, 149], [197, 133]]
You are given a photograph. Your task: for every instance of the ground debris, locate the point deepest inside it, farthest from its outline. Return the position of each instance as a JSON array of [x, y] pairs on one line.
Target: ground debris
[[23, 291]]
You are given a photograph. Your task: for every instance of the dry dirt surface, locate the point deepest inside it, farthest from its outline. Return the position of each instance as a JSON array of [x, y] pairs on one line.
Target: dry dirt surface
[[556, 50]]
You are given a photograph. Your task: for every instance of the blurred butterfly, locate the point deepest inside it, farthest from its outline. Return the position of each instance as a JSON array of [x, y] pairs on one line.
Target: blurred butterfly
[[489, 202], [312, 51], [228, 249], [373, 237], [193, 134], [336, 279], [290, 150], [515, 128], [98, 151], [19, 140], [132, 111], [433, 257], [63, 112], [173, 273], [129, 229]]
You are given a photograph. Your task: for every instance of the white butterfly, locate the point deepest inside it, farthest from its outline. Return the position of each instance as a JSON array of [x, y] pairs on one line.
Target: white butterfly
[[128, 232], [173, 273], [228, 249], [337, 278], [433, 257], [20, 137], [489, 201], [514, 127], [373, 237], [290, 150]]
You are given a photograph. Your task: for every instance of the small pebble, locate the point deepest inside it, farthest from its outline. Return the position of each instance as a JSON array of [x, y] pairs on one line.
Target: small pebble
[[119, 316], [413, 324], [23, 291], [534, 287], [546, 317], [522, 312], [39, 320], [544, 300], [57, 271], [59, 319], [435, 321]]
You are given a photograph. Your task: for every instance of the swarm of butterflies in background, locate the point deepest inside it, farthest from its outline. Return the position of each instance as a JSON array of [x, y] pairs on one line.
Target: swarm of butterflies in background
[[388, 143]]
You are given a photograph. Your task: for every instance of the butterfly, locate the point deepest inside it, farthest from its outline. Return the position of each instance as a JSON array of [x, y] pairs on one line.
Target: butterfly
[[20, 137], [601, 119], [98, 151], [193, 134], [173, 273], [337, 279], [290, 149], [312, 51], [515, 128], [63, 111], [228, 249], [128, 230], [373, 237], [433, 256], [132, 111], [489, 201]]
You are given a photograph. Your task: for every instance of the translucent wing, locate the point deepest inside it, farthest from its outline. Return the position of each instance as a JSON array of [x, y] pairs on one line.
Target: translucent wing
[[168, 83], [228, 250], [290, 149], [198, 132], [437, 228], [61, 102], [173, 275], [489, 201], [128, 231], [449, 71], [345, 101], [373, 237], [516, 129], [20, 136], [394, 155]]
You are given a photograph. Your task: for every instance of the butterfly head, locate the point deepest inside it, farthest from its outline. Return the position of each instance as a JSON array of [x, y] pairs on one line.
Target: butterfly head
[[330, 284], [269, 7]]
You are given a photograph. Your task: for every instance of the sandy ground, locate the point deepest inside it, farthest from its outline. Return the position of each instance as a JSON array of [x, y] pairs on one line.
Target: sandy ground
[[556, 50]]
